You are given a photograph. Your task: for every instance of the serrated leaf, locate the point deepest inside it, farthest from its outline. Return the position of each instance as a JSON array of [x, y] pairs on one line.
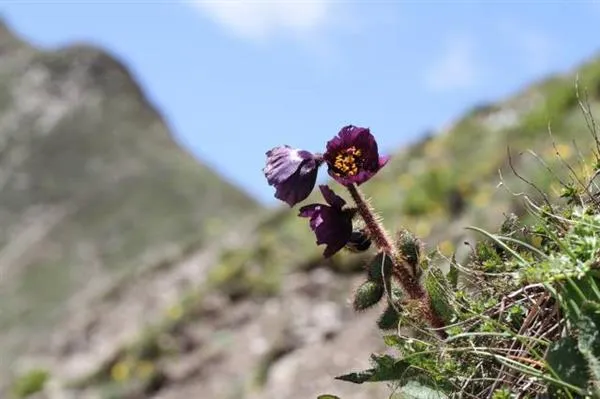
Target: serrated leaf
[[439, 290], [386, 369], [565, 359]]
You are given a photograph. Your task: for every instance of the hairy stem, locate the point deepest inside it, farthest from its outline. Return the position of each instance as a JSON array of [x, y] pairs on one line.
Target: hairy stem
[[376, 230], [401, 270]]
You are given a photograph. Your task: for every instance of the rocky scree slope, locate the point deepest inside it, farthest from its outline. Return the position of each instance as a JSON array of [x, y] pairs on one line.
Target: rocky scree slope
[[92, 187]]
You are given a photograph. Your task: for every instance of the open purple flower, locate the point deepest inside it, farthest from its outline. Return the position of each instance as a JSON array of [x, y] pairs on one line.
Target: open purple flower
[[352, 156], [293, 172], [332, 224]]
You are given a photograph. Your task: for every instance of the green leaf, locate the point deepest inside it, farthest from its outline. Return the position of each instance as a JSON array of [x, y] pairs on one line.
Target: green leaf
[[386, 369], [565, 359], [393, 340], [328, 397], [414, 390], [367, 295], [589, 340], [439, 290]]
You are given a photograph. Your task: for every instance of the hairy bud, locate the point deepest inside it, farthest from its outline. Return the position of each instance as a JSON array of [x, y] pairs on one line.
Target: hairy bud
[[379, 266], [389, 319], [409, 247], [367, 295], [359, 241]]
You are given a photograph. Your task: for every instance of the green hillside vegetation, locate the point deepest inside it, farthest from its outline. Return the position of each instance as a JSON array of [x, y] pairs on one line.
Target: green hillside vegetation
[[434, 188]]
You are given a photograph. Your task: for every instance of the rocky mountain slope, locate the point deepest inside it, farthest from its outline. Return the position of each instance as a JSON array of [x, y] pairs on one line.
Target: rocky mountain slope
[[258, 313], [92, 187]]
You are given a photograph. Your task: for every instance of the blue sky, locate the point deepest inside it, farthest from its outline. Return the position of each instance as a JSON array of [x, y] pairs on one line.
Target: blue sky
[[235, 78]]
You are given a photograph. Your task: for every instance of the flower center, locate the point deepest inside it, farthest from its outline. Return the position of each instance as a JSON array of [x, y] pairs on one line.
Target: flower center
[[348, 161]]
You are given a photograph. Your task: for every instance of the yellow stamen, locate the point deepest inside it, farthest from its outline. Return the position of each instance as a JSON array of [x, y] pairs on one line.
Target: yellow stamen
[[346, 162]]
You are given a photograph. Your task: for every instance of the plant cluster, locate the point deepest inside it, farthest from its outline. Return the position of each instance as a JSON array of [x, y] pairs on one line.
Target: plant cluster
[[519, 318], [352, 158]]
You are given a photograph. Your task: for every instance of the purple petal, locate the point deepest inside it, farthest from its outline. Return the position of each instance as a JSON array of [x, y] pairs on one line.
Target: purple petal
[[345, 138], [332, 198], [282, 163], [351, 133], [332, 226], [293, 172], [361, 177], [334, 230], [358, 179], [366, 142], [297, 188], [307, 211], [383, 160]]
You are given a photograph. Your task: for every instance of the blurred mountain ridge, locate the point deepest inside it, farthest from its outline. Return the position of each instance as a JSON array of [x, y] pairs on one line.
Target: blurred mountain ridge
[[92, 184]]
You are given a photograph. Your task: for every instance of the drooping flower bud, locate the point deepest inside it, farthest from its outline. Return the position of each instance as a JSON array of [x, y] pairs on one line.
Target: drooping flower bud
[[331, 223], [292, 172]]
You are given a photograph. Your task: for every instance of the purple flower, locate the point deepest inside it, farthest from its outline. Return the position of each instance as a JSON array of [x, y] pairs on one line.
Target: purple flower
[[293, 172], [352, 156], [332, 224]]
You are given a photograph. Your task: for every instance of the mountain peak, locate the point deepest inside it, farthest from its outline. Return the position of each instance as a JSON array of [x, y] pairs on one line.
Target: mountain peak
[[92, 184]]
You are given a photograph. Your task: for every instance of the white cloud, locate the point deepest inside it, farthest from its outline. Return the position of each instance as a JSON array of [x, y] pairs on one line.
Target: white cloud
[[262, 19], [456, 68]]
